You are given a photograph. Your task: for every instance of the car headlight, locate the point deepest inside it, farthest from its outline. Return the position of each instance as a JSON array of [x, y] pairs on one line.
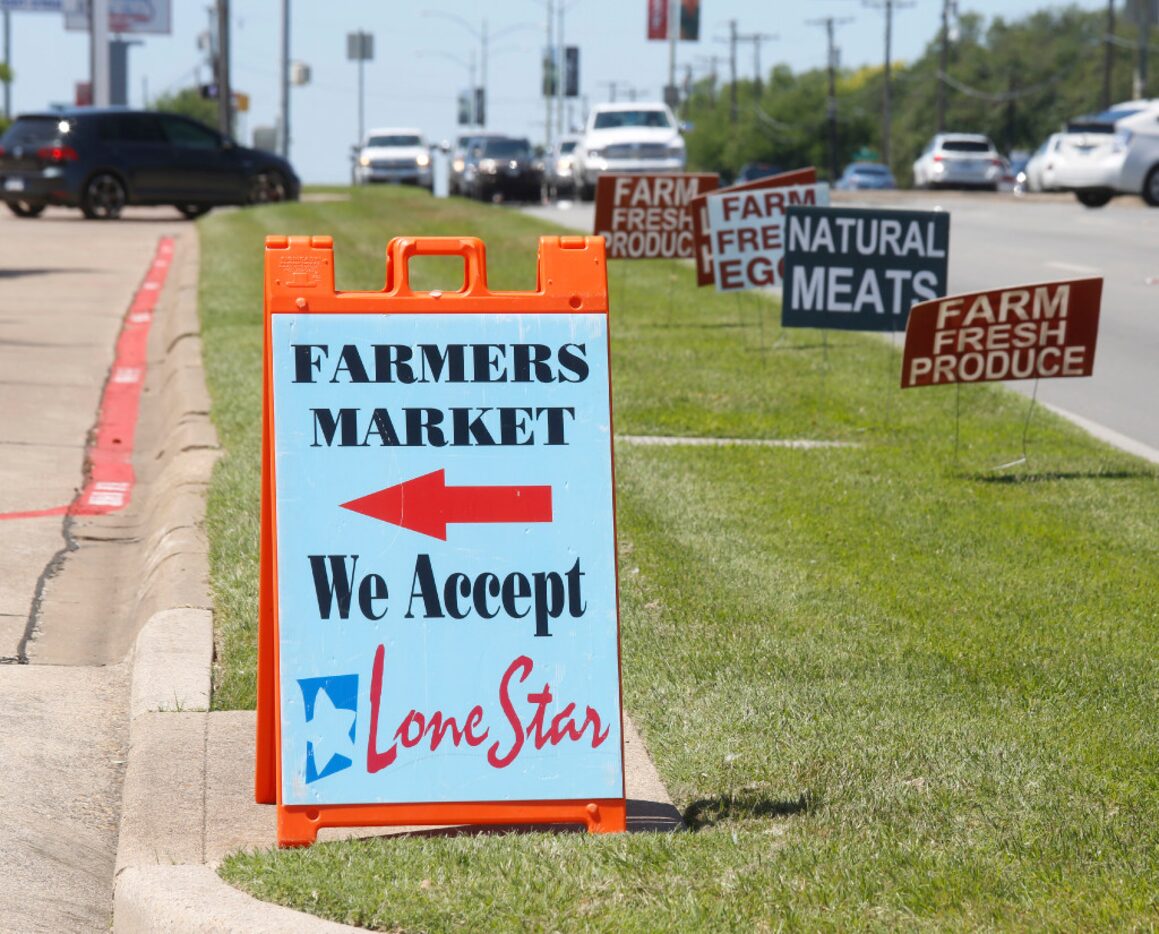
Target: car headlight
[[488, 166], [676, 152], [364, 160], [422, 160], [458, 165], [595, 153]]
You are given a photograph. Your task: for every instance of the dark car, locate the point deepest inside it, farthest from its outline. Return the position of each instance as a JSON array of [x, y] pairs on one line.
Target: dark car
[[102, 160], [866, 176], [503, 167], [752, 171]]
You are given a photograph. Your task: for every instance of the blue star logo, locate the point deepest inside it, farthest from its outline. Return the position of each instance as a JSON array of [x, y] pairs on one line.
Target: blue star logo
[[331, 719]]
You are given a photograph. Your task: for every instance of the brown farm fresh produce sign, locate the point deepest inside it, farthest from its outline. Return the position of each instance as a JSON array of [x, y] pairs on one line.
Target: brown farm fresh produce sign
[[648, 216], [1028, 332]]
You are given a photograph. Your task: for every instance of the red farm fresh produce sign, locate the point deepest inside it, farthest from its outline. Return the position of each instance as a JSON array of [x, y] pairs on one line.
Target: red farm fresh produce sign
[[649, 216], [1027, 332]]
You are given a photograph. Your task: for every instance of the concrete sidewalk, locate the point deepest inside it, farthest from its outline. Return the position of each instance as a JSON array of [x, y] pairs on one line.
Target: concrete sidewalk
[[188, 788]]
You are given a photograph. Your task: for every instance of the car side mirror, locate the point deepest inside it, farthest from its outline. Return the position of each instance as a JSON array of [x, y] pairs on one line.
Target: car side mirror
[[685, 127]]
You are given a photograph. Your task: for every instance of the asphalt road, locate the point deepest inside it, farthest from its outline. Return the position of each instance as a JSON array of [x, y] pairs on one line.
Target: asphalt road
[[1001, 240]]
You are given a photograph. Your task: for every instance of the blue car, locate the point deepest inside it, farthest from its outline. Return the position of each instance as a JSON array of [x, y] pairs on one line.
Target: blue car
[[862, 176]]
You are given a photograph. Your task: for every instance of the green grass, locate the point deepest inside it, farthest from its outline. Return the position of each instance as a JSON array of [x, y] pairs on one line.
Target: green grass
[[889, 686]]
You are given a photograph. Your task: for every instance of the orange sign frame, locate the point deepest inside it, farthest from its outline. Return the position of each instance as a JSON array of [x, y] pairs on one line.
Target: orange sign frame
[[299, 278]]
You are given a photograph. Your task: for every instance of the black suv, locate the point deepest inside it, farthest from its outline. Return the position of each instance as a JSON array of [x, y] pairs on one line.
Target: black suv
[[101, 160]]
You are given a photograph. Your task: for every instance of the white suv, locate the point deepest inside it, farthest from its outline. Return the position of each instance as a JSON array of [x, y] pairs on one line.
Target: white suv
[[627, 138], [1112, 153], [393, 155]]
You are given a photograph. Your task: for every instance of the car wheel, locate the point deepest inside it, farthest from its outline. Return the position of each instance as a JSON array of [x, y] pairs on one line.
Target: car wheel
[[1093, 199], [1151, 187], [104, 197], [193, 211], [267, 187], [27, 208]]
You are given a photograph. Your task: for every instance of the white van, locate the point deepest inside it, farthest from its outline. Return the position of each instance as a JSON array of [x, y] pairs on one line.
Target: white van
[[1115, 152]]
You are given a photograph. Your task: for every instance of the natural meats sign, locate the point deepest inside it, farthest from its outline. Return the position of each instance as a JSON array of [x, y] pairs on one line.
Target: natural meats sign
[[861, 270], [648, 216], [746, 229], [1028, 332]]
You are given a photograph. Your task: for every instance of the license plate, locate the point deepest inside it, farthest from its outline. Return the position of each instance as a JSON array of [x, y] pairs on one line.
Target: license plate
[[14, 184]]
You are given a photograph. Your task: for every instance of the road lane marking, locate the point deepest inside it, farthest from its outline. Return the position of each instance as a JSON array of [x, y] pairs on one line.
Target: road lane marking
[[1073, 267]]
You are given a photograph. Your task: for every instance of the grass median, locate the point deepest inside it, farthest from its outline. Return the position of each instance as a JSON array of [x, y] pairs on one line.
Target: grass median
[[888, 685]]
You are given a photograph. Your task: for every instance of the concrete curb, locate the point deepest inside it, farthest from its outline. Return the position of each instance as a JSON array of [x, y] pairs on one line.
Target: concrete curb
[[163, 881], [186, 767]]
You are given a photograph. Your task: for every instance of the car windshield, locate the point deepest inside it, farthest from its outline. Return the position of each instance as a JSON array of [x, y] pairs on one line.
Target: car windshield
[[395, 140], [614, 119], [1103, 122], [965, 145], [506, 148], [565, 148], [869, 170], [35, 131]]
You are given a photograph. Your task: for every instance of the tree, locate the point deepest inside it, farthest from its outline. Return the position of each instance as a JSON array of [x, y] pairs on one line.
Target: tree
[[188, 103]]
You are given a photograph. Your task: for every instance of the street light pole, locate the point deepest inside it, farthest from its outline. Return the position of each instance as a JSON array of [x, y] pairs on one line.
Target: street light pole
[[284, 103]]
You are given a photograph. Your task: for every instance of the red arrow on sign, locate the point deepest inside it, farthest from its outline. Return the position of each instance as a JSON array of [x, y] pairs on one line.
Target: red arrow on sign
[[426, 504]]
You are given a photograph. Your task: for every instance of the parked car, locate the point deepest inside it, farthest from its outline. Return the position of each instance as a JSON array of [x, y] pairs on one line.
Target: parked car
[[100, 160], [630, 137], [865, 176], [1038, 174], [558, 175], [1111, 153], [959, 160], [502, 167], [393, 155]]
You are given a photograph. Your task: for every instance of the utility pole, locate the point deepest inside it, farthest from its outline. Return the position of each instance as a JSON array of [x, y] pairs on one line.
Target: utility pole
[[944, 62], [1108, 54], [1144, 8], [224, 92], [284, 85], [670, 95], [829, 23], [731, 40], [550, 73], [99, 51], [886, 104], [757, 38], [7, 64]]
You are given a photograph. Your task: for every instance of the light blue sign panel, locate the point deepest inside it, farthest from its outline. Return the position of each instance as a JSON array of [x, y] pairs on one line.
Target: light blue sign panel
[[454, 638]]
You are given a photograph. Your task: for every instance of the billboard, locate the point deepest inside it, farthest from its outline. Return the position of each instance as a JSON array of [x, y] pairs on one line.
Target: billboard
[[125, 16]]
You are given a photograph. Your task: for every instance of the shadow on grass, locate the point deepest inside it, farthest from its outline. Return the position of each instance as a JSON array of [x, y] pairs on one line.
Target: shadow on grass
[[708, 812], [1050, 476]]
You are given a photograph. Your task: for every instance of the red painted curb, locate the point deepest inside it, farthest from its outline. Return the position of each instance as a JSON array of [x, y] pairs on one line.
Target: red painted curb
[[109, 457]]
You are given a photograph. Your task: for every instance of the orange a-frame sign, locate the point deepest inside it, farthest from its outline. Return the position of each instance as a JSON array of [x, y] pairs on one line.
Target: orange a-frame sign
[[438, 619]]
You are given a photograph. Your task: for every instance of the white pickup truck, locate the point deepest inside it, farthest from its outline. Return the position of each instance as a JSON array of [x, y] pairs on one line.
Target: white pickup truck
[[630, 137]]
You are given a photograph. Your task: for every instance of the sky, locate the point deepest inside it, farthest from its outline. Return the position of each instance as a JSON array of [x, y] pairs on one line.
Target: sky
[[422, 53]]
